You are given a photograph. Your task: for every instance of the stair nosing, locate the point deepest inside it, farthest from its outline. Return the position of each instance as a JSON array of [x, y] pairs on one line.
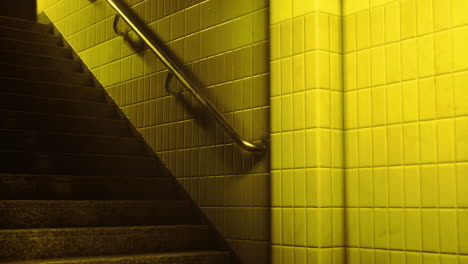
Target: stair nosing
[[29, 31], [111, 257], [25, 21], [39, 45], [71, 176], [62, 115], [51, 83], [84, 74], [22, 231], [64, 154], [20, 53], [33, 43], [45, 98], [88, 203], [34, 131]]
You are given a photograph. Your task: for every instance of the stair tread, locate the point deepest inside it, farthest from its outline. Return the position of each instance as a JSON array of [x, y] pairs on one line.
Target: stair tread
[[45, 70], [36, 140], [68, 106], [2, 38], [62, 154], [24, 214], [52, 162], [69, 85], [43, 132], [43, 27], [39, 37], [61, 115], [88, 203], [124, 257], [50, 90], [131, 186], [45, 74], [82, 177], [10, 44], [84, 231], [26, 31], [20, 53], [39, 60], [57, 99], [48, 243], [41, 121]]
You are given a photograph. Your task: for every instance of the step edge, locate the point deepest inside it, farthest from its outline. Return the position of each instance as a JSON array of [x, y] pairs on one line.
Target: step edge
[[123, 257], [63, 116], [90, 155], [77, 74], [47, 231], [136, 139], [31, 32], [62, 59], [25, 21], [86, 177], [33, 43], [51, 83], [60, 99], [4, 204]]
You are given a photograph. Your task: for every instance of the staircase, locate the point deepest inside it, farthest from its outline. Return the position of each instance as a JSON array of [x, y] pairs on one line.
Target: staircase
[[77, 184]]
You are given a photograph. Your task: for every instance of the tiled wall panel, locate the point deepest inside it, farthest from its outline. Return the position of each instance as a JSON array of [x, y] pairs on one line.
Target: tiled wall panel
[[406, 133], [369, 121], [307, 132], [225, 45]]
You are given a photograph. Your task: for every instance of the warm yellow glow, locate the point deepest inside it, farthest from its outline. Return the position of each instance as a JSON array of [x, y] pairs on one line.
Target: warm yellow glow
[[405, 137]]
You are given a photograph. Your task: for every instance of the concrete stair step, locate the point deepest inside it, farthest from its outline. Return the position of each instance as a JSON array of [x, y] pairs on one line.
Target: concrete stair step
[[40, 61], [63, 123], [25, 25], [58, 214], [30, 36], [15, 102], [8, 44], [45, 75], [78, 164], [33, 244], [77, 184], [67, 187], [50, 90], [196, 257], [70, 143]]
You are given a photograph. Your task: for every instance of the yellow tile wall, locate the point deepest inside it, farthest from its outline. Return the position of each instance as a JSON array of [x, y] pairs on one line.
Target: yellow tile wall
[[406, 131], [225, 45], [307, 132], [369, 123]]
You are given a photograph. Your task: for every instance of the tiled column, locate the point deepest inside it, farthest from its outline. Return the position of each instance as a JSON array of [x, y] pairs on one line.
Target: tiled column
[[307, 132]]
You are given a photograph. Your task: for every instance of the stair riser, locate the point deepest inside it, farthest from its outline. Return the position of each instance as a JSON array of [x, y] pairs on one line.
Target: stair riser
[[30, 162], [30, 36], [40, 61], [22, 140], [39, 75], [25, 25], [50, 90], [36, 187], [17, 120], [52, 106], [21, 215], [32, 48], [40, 244]]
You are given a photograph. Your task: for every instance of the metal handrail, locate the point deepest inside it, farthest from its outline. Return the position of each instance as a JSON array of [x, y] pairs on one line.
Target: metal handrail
[[143, 32]]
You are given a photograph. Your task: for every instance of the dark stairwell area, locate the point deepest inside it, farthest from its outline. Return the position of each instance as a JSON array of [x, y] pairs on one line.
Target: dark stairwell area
[[78, 184]]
